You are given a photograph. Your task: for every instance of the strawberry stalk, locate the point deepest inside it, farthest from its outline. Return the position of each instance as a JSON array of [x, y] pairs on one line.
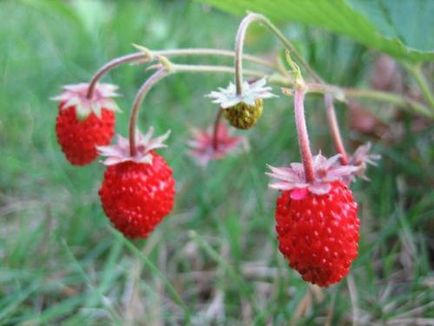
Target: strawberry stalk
[[146, 55], [109, 66], [239, 45], [215, 143], [302, 134], [138, 100], [334, 128], [164, 68]]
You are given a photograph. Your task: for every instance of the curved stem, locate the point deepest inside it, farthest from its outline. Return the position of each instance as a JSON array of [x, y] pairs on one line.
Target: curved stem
[[215, 143], [147, 85], [155, 78], [239, 44], [109, 66], [302, 135], [142, 57], [334, 128]]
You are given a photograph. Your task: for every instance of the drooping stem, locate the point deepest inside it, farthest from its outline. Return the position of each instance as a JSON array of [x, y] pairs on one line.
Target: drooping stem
[[147, 85], [164, 70], [302, 135], [334, 128], [239, 45], [215, 143], [145, 57], [109, 66]]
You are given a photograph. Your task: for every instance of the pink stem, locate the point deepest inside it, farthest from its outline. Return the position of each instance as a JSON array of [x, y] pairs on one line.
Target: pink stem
[[239, 44], [302, 135], [215, 141], [109, 66], [147, 85], [140, 57], [334, 128]]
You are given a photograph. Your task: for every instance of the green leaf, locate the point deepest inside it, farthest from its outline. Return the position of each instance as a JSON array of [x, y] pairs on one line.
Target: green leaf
[[400, 28]]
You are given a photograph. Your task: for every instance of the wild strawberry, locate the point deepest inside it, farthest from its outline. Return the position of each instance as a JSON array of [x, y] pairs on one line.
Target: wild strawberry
[[242, 110], [317, 223], [137, 191], [82, 123]]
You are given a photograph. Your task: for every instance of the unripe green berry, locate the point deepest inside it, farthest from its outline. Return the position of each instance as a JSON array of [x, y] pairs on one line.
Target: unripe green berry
[[242, 115]]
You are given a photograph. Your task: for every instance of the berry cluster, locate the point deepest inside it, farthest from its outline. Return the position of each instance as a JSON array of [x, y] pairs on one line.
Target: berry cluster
[[316, 215]]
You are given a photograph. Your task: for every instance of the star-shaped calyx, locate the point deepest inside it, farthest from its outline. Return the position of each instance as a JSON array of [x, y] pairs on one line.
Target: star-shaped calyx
[[145, 144], [292, 178], [242, 110], [228, 97], [204, 148], [75, 96], [361, 159]]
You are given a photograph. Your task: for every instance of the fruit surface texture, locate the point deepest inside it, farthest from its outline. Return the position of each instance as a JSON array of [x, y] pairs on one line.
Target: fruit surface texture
[[244, 116], [137, 196], [79, 138], [319, 234]]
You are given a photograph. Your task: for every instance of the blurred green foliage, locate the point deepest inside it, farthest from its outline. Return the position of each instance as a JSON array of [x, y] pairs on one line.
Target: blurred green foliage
[[394, 27]]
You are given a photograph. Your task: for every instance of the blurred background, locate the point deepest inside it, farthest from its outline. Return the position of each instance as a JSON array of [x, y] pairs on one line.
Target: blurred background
[[215, 259]]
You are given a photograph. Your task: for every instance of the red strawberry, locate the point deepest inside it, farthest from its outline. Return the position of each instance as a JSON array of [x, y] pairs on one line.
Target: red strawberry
[[137, 192], [82, 124], [317, 223], [79, 138], [319, 234]]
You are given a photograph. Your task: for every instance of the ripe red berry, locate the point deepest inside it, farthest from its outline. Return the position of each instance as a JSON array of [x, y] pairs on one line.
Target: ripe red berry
[[316, 222], [136, 196], [82, 123], [137, 191], [78, 139], [319, 234]]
